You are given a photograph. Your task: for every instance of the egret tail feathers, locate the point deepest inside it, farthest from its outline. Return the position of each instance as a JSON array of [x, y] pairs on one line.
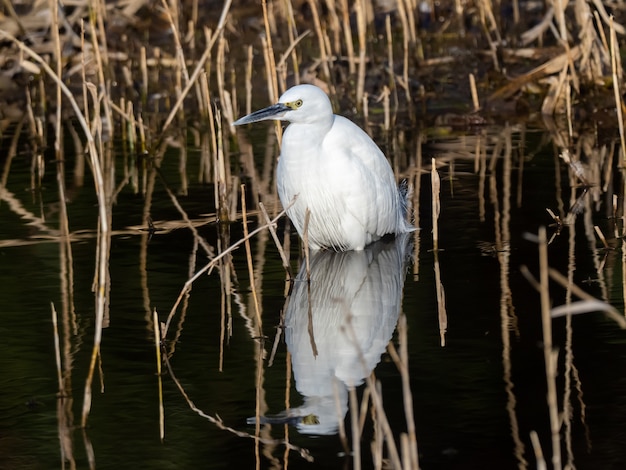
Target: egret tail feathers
[[406, 192]]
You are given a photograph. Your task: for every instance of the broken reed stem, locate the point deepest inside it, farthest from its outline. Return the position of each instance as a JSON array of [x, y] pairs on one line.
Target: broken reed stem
[[549, 354], [474, 92], [221, 181], [436, 206], [159, 360], [601, 237], [541, 461], [257, 309]]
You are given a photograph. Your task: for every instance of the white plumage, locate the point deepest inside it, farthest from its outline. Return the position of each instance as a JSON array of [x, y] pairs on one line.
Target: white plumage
[[332, 168]]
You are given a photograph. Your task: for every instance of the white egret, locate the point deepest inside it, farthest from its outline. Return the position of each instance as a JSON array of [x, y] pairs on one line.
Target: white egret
[[332, 168]]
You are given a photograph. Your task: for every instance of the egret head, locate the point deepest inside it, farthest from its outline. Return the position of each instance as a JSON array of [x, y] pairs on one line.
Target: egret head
[[299, 104]]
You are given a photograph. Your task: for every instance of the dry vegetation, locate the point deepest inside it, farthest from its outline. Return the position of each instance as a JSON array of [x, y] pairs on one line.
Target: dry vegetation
[[128, 80]]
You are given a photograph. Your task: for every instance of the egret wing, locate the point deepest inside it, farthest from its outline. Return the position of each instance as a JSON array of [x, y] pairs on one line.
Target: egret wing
[[364, 176]]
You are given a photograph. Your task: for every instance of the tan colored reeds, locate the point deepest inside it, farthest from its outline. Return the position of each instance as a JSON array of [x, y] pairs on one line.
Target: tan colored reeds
[[101, 282], [617, 73]]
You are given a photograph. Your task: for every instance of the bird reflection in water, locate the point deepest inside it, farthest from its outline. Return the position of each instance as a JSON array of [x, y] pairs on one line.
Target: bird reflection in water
[[355, 299]]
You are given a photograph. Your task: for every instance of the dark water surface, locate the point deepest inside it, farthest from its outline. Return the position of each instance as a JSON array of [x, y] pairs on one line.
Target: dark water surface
[[476, 399]]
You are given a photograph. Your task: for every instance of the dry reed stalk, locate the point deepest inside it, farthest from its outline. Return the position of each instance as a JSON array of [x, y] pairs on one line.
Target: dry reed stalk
[[173, 15], [199, 66], [248, 84], [257, 308], [414, 199], [305, 244], [386, 113], [616, 70], [103, 218], [323, 49], [56, 40], [131, 141], [390, 63], [489, 24], [281, 67], [210, 156], [402, 363], [550, 355], [436, 205], [541, 462], [389, 37], [35, 133], [57, 349], [332, 22], [223, 93], [143, 67], [347, 35], [220, 169], [157, 345], [287, 402], [377, 404], [12, 151], [377, 444], [474, 92], [365, 407], [101, 55], [341, 424], [354, 424], [270, 61], [359, 7], [225, 302], [209, 266], [283, 256], [590, 303], [601, 237], [404, 82], [272, 80]]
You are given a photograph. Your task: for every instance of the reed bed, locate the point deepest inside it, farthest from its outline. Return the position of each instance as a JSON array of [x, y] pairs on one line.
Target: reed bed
[[144, 79]]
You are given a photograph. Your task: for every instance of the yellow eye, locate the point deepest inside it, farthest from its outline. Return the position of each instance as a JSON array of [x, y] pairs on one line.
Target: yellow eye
[[297, 103]]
